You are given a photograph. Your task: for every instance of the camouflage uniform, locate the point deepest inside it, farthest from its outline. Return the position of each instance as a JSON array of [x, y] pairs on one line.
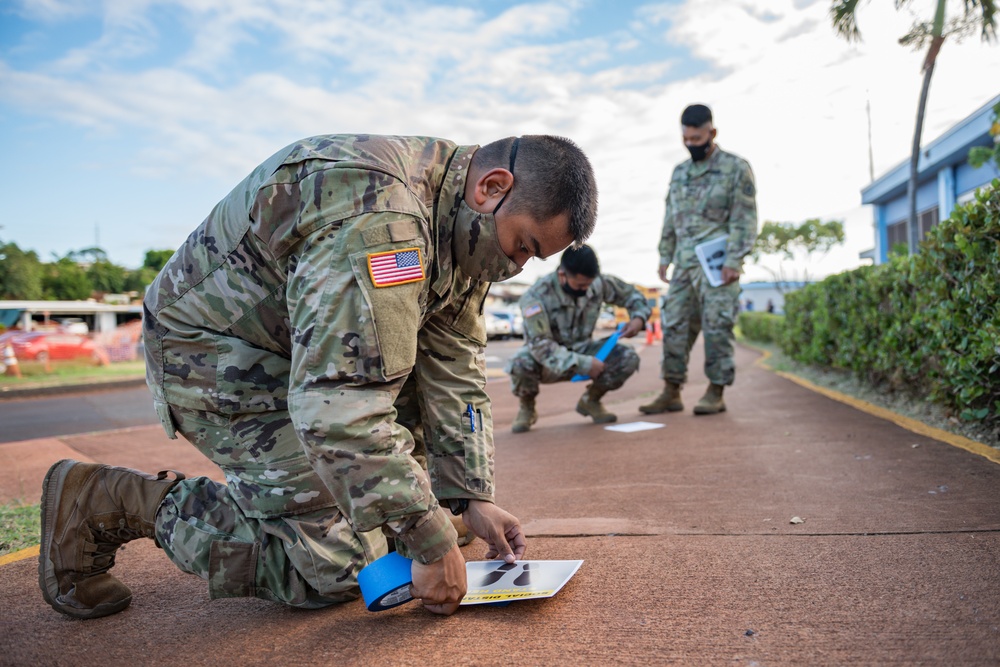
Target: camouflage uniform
[[557, 330], [271, 347], [707, 199]]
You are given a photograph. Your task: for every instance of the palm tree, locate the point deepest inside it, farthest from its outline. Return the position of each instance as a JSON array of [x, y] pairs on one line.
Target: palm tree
[[975, 14]]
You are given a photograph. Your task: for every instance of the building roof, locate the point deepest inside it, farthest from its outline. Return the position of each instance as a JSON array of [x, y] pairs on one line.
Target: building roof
[[950, 148]]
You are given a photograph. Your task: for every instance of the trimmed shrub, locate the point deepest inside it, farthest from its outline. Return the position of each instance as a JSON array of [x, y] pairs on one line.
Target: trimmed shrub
[[928, 323], [761, 327]]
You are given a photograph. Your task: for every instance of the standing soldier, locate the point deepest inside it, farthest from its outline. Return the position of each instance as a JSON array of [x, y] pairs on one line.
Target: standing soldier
[[560, 311], [330, 304], [711, 195]]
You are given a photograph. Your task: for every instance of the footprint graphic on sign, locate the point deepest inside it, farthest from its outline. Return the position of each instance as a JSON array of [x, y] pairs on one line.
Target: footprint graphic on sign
[[523, 579]]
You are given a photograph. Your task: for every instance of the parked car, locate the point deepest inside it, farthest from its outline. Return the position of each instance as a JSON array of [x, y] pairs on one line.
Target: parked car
[[512, 315], [498, 324], [48, 345]]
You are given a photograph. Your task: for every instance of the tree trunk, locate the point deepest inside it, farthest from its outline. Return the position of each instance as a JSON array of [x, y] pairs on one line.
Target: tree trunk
[[913, 229], [937, 39]]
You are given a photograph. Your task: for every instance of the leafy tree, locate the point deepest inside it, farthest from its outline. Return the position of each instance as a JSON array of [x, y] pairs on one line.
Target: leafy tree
[[106, 277], [66, 280], [20, 273], [785, 239], [138, 280], [157, 259], [980, 155], [974, 14]]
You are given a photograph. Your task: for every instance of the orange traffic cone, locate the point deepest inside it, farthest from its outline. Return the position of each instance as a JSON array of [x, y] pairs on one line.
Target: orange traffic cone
[[10, 362]]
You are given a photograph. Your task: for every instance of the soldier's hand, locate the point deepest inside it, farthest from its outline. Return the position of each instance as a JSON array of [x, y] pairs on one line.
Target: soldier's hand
[[663, 272], [634, 326], [440, 585], [729, 275], [596, 368], [498, 528]]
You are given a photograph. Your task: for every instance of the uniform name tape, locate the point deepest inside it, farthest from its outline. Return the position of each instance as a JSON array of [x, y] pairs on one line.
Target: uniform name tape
[[385, 583]]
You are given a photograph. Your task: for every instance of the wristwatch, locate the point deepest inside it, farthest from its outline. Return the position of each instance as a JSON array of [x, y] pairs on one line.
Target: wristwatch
[[458, 505]]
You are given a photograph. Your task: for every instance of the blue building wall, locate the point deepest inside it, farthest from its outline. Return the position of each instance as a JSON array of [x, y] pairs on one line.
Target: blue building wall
[[944, 177]]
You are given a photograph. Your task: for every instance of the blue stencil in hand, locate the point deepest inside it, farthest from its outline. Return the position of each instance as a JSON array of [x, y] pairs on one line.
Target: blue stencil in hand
[[605, 350]]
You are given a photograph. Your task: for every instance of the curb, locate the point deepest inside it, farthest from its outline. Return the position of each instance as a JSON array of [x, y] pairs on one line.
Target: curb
[[54, 390], [910, 424]]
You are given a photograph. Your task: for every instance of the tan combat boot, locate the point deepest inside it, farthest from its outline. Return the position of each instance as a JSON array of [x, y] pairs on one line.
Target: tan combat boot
[[711, 403], [590, 406], [88, 511], [526, 416], [669, 400]]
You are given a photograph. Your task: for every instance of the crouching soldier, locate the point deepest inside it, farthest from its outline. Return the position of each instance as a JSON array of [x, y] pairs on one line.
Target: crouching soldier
[[560, 311]]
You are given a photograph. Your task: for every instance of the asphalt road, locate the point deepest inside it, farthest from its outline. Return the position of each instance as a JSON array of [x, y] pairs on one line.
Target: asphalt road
[[71, 414], [104, 410]]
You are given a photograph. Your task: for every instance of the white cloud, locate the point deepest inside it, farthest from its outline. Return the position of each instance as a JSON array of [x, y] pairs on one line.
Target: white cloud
[[788, 94]]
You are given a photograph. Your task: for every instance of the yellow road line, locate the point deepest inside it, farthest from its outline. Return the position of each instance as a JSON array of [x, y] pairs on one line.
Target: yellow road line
[[30, 552], [908, 423]]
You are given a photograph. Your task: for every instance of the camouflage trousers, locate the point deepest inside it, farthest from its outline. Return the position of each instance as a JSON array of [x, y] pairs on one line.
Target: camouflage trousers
[[273, 531], [692, 306], [526, 374]]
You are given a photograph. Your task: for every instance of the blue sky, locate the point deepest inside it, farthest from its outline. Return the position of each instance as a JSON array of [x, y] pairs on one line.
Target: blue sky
[[123, 122]]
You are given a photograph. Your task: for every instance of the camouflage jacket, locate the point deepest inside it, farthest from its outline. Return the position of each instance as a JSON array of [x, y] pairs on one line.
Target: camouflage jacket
[[557, 326], [706, 200], [274, 303]]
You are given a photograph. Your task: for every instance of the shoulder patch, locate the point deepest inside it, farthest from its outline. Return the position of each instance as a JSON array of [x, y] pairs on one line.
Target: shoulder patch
[[396, 267], [533, 309]]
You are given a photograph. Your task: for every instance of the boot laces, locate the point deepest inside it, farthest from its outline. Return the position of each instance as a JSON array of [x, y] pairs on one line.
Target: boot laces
[[107, 539]]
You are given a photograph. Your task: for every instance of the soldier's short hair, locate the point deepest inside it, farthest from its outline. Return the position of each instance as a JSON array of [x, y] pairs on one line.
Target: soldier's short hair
[[580, 261], [696, 115], [551, 176]]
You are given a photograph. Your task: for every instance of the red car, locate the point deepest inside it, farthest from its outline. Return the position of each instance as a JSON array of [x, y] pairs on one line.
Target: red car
[[48, 345]]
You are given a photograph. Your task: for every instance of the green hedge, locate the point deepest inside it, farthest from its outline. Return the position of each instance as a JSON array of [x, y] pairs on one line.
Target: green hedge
[[928, 323], [761, 327]]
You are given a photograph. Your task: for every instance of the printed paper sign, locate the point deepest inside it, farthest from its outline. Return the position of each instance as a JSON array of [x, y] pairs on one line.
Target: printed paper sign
[[712, 255], [493, 581]]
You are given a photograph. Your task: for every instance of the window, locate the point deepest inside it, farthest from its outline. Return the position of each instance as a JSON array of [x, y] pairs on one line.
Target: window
[[897, 236], [926, 220], [896, 232]]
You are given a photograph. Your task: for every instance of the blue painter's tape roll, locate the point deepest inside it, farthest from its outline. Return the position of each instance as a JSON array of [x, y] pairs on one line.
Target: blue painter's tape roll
[[385, 583], [605, 350]]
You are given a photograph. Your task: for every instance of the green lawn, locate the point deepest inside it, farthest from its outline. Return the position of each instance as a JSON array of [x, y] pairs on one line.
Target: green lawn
[[20, 527], [33, 374]]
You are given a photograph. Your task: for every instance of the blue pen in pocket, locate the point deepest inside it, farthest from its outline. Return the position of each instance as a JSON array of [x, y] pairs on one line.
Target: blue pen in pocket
[[472, 417]]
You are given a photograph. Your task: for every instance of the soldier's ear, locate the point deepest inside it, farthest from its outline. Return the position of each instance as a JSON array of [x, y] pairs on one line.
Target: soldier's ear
[[492, 186]]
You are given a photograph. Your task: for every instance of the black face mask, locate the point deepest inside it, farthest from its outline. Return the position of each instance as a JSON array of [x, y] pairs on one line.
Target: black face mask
[[699, 152], [575, 293]]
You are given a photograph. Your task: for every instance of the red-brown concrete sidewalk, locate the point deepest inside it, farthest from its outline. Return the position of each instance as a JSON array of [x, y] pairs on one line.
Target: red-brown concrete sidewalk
[[690, 557]]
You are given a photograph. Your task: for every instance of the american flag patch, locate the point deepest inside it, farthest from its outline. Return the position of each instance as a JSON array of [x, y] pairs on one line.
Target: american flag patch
[[395, 267], [533, 309]]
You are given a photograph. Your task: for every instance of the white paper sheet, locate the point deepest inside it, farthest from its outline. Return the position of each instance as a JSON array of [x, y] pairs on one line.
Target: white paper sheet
[[632, 427]]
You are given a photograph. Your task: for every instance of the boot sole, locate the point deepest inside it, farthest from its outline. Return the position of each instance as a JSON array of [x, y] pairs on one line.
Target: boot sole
[[606, 420], [709, 411], [672, 408], [52, 488]]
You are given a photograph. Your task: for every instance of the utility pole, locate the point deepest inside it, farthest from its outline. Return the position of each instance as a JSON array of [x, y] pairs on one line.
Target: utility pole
[[871, 154]]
